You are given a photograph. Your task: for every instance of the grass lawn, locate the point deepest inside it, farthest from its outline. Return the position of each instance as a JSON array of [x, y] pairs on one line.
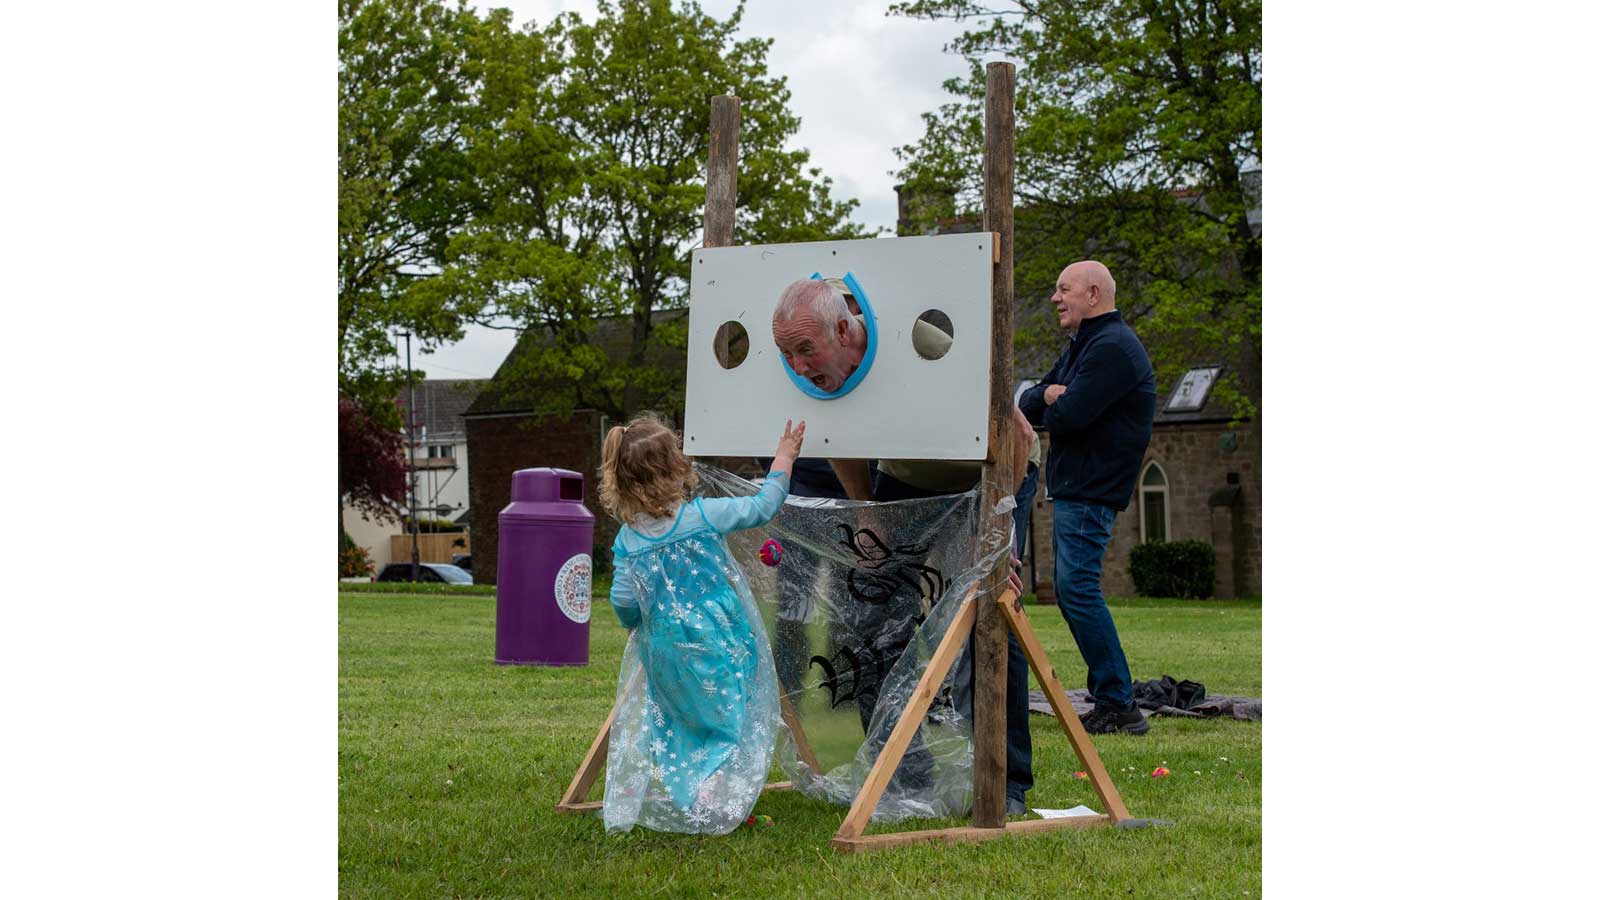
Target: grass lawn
[[450, 766]]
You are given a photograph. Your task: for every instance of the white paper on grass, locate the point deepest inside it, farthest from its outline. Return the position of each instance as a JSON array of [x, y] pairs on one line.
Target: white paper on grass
[[1079, 810]]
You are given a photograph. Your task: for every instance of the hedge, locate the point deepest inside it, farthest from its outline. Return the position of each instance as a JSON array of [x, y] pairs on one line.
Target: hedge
[[1174, 569]]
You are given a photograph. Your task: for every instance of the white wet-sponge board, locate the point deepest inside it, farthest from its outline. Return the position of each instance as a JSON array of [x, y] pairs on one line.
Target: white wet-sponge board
[[906, 407]]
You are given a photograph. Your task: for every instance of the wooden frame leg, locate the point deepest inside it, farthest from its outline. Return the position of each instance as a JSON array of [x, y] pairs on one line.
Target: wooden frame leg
[[801, 745], [593, 763], [910, 720], [1011, 608]]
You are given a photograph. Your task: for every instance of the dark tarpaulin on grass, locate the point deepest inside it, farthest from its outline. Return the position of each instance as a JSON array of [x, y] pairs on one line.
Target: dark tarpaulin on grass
[[1163, 697]]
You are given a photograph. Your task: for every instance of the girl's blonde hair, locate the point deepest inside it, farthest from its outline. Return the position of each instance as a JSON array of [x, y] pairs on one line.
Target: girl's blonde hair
[[642, 469]]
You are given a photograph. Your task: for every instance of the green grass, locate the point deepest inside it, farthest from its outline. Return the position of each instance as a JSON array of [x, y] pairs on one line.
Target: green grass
[[450, 766]]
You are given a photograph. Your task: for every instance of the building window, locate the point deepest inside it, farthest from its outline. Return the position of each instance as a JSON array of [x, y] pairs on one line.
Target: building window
[[442, 451], [1154, 519], [1190, 394]]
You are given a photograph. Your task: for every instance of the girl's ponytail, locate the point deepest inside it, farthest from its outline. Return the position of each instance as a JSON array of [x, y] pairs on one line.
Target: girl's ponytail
[[610, 449]]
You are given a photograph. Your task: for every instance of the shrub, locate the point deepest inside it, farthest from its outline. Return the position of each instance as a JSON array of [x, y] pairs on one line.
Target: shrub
[[1174, 569], [354, 562]]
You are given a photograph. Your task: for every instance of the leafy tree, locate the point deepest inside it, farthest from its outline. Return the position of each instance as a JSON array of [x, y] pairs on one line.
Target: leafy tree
[[1138, 123], [591, 154], [372, 470], [406, 91]]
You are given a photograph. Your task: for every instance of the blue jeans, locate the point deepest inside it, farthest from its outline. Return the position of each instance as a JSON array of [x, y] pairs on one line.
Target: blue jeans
[[1082, 531]]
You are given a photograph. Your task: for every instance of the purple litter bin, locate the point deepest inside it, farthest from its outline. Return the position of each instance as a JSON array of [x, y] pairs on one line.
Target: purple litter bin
[[542, 601]]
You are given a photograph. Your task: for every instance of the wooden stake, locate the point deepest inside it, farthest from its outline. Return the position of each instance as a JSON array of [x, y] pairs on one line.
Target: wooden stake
[[1011, 608], [722, 189], [722, 172], [965, 834], [910, 720], [801, 745], [594, 762], [999, 479]]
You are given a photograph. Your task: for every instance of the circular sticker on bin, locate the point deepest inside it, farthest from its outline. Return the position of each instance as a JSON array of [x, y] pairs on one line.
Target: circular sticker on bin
[[572, 588]]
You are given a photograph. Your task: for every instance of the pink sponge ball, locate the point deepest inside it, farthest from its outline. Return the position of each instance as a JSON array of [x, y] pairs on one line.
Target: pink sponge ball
[[771, 552]]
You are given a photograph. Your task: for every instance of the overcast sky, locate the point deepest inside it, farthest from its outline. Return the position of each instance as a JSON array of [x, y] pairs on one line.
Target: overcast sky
[[859, 81]]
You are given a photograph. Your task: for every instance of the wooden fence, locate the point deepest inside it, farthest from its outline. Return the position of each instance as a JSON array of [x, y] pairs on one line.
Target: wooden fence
[[434, 548]]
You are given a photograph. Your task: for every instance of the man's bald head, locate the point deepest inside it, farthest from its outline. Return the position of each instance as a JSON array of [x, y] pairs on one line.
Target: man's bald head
[[1084, 290]]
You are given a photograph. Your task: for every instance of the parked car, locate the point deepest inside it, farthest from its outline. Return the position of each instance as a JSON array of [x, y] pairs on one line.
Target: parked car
[[434, 573], [462, 560]]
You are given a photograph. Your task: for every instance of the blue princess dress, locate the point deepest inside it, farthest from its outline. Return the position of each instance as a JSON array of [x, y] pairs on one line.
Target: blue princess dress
[[697, 699]]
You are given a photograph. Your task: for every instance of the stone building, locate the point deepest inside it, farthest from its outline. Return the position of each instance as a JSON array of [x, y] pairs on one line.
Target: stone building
[[1199, 481]]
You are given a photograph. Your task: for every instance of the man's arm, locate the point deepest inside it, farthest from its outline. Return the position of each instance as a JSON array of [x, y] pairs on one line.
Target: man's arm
[[1021, 447], [1104, 374], [1033, 402], [855, 475]]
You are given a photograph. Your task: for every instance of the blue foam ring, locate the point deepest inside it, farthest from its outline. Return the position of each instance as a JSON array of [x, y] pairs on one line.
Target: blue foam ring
[[811, 390]]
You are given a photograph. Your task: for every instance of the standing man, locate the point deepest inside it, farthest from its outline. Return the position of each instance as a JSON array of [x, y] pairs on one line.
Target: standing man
[[1097, 404]]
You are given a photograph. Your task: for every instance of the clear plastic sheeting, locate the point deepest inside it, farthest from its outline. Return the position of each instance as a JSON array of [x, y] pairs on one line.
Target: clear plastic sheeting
[[855, 607]]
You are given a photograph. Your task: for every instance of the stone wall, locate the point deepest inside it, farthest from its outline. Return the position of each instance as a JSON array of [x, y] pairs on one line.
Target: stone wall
[[1197, 463]]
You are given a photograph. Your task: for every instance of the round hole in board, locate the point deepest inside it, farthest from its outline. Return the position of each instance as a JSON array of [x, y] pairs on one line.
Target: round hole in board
[[731, 344], [933, 334]]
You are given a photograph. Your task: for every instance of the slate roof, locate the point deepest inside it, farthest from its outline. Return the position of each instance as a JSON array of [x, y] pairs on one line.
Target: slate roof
[[441, 403], [613, 335]]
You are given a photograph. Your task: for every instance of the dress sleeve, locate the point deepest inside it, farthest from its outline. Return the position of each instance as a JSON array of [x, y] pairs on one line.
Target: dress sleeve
[[725, 514], [623, 601]]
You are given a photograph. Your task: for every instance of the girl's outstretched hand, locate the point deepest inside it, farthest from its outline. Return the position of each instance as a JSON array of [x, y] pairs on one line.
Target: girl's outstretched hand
[[793, 437]]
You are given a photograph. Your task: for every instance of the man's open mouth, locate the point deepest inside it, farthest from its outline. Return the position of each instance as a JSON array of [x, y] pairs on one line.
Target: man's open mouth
[[820, 381]]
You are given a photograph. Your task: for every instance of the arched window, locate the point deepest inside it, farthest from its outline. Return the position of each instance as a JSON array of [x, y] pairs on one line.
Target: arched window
[[1154, 517]]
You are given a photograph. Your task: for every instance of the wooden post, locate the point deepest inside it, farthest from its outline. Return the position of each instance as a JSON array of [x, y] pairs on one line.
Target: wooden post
[[999, 479], [722, 189], [722, 172]]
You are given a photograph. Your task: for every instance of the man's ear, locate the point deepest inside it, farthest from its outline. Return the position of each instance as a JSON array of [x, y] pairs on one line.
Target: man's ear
[[843, 329]]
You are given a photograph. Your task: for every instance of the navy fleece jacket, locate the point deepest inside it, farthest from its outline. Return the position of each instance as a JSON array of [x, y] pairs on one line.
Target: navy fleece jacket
[[1100, 426]]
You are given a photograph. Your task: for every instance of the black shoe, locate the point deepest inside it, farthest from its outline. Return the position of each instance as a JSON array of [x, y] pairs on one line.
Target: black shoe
[[1016, 806], [1106, 720]]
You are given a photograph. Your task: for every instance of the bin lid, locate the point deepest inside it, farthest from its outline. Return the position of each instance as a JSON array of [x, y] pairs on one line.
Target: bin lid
[[546, 495]]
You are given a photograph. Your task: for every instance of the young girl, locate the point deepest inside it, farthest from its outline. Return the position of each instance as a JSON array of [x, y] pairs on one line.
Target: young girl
[[697, 702]]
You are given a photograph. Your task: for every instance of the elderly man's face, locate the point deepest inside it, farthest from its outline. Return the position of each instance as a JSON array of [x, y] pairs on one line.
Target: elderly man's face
[[1072, 299], [815, 353]]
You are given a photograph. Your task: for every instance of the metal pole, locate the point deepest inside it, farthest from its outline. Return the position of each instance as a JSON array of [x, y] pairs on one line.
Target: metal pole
[[411, 456]]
